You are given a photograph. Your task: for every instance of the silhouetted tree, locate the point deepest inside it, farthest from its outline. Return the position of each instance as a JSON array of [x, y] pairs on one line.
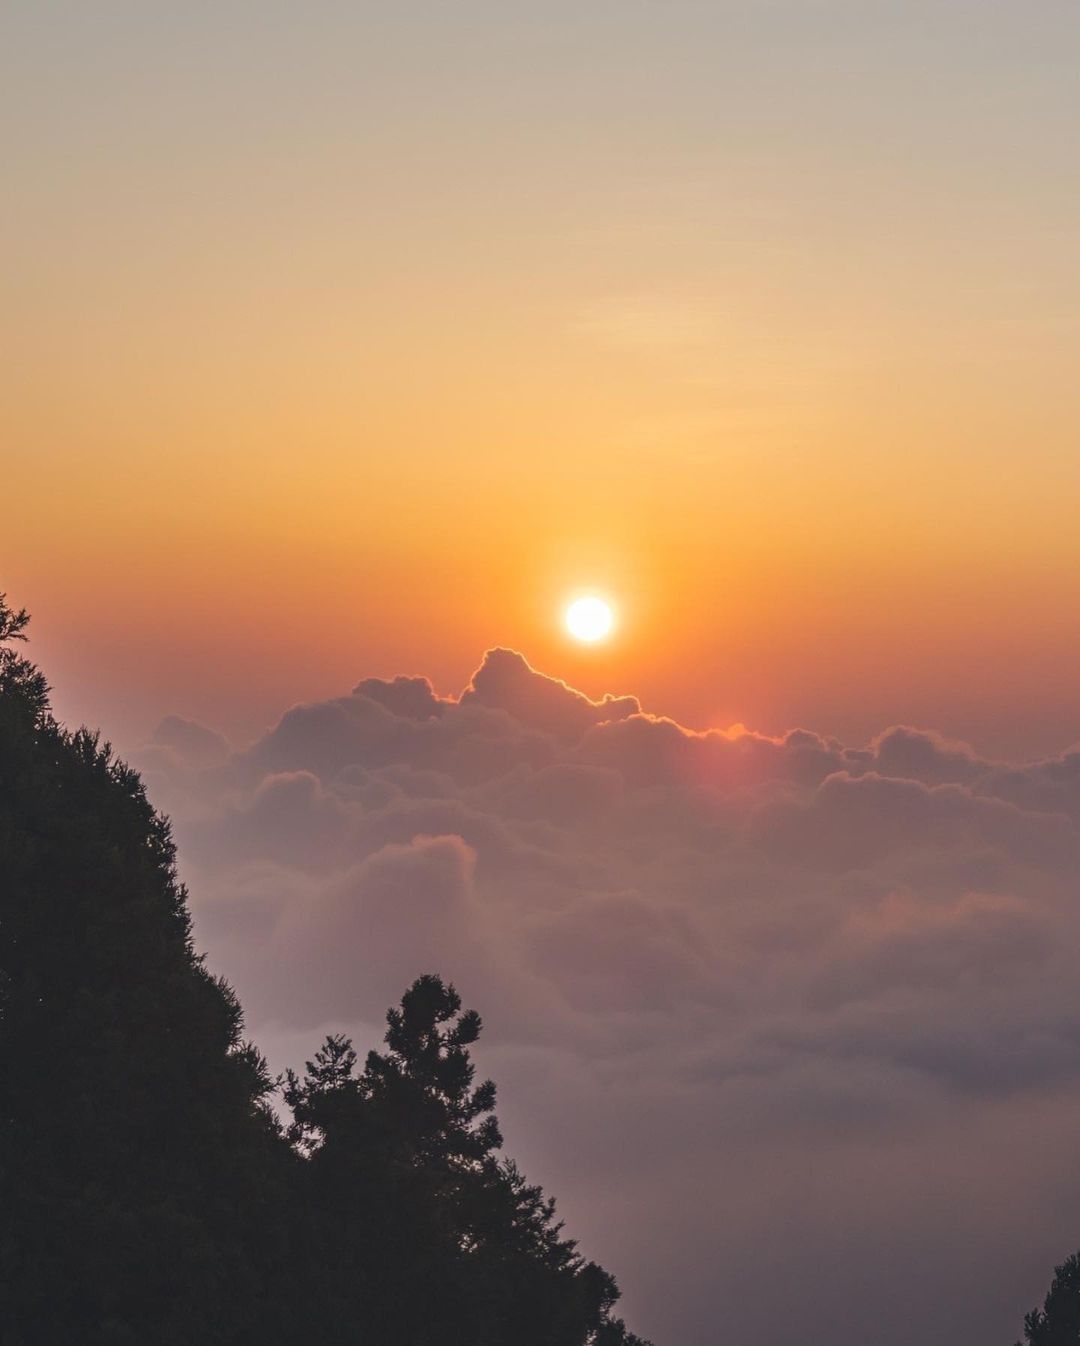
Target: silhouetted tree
[[137, 1153], [1057, 1323], [148, 1191], [462, 1249]]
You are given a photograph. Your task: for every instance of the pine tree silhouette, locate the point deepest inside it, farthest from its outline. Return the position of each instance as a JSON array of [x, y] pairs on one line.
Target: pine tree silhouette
[[463, 1249], [149, 1193], [1057, 1323]]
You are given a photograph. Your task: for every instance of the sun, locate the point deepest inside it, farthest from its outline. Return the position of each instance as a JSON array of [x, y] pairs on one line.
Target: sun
[[589, 619]]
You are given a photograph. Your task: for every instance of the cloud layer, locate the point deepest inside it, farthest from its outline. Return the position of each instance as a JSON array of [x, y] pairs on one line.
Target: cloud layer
[[791, 1028]]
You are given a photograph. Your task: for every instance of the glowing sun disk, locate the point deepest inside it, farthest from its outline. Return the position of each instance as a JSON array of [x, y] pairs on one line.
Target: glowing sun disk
[[589, 619]]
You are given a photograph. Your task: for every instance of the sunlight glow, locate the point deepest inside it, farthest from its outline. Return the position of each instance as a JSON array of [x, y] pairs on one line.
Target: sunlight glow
[[589, 619]]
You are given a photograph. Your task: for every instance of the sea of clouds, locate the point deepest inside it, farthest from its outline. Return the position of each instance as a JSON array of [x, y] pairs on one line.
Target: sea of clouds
[[792, 1029]]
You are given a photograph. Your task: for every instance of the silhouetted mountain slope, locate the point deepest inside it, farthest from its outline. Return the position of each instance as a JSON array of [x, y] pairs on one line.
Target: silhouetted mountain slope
[[148, 1193]]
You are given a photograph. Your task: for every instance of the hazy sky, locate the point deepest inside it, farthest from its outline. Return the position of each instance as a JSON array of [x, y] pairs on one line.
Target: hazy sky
[[343, 340], [344, 337]]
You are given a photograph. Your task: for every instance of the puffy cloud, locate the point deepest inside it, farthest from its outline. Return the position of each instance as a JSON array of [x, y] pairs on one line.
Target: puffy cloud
[[505, 681], [411, 698], [919, 755], [404, 904], [191, 744], [744, 993]]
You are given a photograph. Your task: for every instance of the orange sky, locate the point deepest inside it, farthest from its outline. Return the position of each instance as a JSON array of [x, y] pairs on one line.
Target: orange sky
[[352, 346]]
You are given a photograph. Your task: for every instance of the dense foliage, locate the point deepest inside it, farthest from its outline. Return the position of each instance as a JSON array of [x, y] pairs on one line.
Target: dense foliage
[[1057, 1323], [149, 1191]]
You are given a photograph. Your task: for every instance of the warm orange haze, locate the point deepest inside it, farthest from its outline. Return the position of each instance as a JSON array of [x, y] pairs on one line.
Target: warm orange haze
[[583, 498], [760, 315]]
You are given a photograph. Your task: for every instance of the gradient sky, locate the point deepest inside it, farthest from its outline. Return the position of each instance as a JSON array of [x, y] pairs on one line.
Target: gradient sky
[[343, 338]]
